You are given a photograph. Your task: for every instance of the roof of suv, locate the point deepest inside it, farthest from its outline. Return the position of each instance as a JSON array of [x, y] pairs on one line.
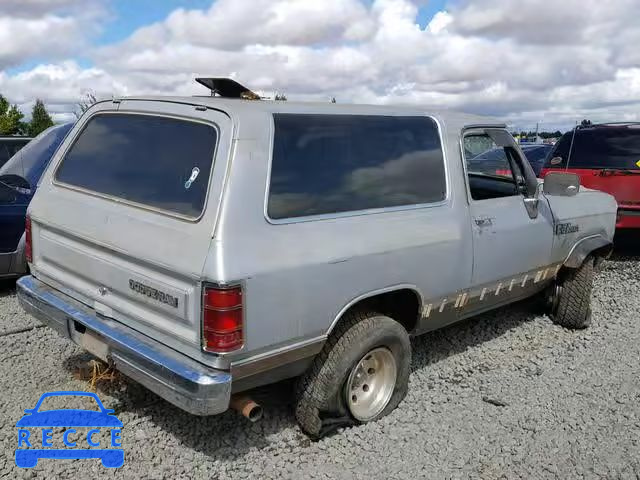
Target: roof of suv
[[452, 118]]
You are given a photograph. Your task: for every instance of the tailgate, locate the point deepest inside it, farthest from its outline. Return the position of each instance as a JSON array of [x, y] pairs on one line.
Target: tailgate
[[625, 187], [125, 214]]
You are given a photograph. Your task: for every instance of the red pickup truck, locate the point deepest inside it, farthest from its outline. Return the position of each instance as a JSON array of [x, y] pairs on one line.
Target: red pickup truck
[[607, 158]]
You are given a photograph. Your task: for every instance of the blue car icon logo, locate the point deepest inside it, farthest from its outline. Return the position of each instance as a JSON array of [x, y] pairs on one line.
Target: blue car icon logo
[[83, 433]]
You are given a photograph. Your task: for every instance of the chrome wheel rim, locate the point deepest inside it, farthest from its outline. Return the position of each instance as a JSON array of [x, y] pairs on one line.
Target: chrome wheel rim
[[371, 384]]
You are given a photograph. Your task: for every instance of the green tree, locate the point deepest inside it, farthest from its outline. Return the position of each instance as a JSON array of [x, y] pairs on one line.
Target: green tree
[[10, 118], [40, 119]]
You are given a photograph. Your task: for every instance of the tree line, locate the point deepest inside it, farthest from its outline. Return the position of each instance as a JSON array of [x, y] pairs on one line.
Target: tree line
[[11, 119]]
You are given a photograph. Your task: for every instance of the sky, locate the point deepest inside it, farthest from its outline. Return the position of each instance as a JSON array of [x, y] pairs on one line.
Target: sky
[[525, 62]]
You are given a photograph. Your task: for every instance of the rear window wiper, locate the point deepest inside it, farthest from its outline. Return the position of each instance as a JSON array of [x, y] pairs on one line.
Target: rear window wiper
[[618, 171]]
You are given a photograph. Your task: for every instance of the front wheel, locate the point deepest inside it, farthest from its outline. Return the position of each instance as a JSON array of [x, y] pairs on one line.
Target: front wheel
[[361, 375], [571, 304]]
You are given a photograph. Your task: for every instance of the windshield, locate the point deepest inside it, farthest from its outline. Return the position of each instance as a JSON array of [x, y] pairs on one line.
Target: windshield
[[599, 147], [30, 162]]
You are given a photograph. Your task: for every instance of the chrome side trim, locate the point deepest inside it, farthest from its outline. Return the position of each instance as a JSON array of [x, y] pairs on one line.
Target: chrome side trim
[[272, 359], [629, 212], [178, 379], [470, 302]]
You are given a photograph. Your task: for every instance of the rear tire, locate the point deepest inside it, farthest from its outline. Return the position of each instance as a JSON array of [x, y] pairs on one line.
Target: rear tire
[[361, 343], [572, 300]]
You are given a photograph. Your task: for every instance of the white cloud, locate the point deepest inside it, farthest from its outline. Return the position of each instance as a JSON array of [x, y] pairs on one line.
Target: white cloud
[[20, 39], [535, 22], [45, 28], [35, 8], [522, 61]]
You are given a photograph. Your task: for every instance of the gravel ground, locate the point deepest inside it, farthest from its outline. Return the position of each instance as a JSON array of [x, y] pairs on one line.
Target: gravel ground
[[508, 395]]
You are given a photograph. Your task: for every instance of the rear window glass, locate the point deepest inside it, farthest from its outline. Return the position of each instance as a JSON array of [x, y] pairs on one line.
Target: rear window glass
[[603, 147], [325, 164], [158, 162]]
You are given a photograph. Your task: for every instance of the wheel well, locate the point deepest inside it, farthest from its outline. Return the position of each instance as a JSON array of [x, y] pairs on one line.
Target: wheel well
[[402, 305], [600, 254], [603, 252]]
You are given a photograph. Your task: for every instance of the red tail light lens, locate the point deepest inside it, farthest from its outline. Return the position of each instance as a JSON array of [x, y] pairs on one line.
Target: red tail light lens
[[28, 247], [222, 319]]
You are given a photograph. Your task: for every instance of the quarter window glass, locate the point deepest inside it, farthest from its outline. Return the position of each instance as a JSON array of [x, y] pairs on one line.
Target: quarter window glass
[[325, 164], [154, 161]]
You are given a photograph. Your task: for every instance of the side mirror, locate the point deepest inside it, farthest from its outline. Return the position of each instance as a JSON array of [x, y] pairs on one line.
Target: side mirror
[[562, 184], [16, 183]]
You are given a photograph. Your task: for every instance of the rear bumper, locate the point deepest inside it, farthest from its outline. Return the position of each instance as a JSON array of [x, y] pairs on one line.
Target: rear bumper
[[176, 378], [628, 218]]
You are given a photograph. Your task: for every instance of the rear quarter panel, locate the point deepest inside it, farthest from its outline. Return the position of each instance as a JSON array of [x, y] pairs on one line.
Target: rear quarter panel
[[299, 276]]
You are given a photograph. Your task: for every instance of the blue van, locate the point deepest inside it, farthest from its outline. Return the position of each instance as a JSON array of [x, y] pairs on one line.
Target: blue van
[[19, 179]]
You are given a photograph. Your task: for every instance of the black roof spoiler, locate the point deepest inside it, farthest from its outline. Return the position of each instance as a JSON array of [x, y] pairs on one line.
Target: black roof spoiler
[[227, 88], [611, 124]]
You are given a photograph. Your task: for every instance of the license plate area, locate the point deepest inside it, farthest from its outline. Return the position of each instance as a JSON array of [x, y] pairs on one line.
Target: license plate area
[[90, 341]]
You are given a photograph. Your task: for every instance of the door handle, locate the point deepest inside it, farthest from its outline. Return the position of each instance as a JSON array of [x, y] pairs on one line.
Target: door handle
[[484, 222]]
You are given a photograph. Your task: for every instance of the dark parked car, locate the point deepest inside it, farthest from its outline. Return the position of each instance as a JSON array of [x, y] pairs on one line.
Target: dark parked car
[[9, 146], [492, 161], [18, 181], [536, 153]]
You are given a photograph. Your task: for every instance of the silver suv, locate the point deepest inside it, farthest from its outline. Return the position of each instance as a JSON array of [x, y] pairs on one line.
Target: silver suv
[[209, 245]]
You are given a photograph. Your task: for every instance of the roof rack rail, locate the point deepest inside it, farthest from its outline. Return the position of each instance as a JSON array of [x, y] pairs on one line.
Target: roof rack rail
[[613, 124], [227, 88]]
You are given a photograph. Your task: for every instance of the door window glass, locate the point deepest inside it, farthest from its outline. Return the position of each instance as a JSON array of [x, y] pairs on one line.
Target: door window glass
[[492, 172]]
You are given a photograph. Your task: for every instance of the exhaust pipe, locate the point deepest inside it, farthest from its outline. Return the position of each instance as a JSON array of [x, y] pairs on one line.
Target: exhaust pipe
[[246, 407]]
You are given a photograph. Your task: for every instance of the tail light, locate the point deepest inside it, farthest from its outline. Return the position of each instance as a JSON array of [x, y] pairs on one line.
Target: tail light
[[222, 319], [28, 246]]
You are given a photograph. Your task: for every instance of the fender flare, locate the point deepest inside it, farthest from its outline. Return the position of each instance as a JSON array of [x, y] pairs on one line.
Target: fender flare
[[584, 247], [371, 294]]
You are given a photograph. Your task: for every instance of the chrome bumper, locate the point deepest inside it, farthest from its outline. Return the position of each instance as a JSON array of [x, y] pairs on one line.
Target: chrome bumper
[[176, 378]]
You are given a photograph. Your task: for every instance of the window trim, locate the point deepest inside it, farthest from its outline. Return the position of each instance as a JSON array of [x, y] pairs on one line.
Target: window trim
[[353, 213], [119, 200], [465, 130]]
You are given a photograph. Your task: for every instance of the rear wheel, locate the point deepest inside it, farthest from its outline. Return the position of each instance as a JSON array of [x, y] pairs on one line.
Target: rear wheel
[[361, 375], [571, 300]]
